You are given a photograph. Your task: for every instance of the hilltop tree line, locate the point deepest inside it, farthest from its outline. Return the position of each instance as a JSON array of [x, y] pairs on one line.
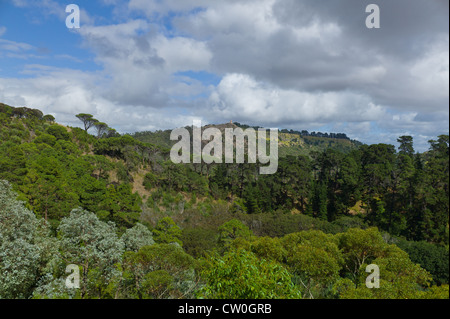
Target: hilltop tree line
[[302, 132], [306, 232]]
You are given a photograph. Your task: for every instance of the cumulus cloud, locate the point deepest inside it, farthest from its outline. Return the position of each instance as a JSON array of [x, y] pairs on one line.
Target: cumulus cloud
[[141, 62], [55, 93], [243, 98], [325, 46]]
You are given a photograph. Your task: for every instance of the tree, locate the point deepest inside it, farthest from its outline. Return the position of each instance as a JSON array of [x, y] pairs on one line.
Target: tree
[[198, 242], [87, 119], [319, 200], [433, 258], [406, 145], [294, 174], [314, 258], [166, 231], [47, 190], [433, 211], [49, 118], [26, 249], [239, 274], [360, 247], [378, 162], [399, 279], [59, 132], [112, 132], [313, 266], [158, 271], [101, 128], [121, 203], [231, 230], [93, 245], [268, 248], [136, 237]]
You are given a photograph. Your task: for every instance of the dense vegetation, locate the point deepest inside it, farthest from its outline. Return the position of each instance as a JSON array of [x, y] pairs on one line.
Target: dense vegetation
[[139, 226]]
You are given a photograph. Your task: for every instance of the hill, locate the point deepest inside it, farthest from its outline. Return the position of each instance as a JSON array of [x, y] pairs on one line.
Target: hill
[[293, 143]]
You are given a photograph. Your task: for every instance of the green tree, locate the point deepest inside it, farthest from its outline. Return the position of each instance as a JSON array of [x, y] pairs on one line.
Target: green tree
[[158, 271], [360, 247], [197, 242], [239, 274], [315, 260], [101, 128], [406, 145], [87, 119], [231, 230], [166, 232], [319, 200], [431, 257], [59, 132], [49, 118], [399, 279]]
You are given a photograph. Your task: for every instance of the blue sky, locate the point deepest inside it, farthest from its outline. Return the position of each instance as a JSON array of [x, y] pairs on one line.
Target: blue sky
[[146, 65], [49, 42]]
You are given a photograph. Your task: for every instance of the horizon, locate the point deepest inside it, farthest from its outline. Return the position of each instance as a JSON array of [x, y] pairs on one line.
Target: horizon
[[150, 65]]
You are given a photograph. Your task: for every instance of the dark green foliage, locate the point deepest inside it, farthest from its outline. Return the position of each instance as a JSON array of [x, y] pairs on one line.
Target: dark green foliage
[[45, 138], [53, 175], [433, 258], [49, 118], [166, 232], [59, 132], [197, 242]]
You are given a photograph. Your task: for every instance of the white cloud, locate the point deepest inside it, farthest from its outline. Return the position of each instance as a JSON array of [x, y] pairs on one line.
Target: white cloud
[[56, 93], [431, 72], [12, 46], [140, 62], [250, 18], [242, 98], [183, 54]]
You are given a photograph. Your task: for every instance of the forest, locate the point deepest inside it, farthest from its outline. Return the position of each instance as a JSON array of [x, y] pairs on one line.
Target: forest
[[141, 227]]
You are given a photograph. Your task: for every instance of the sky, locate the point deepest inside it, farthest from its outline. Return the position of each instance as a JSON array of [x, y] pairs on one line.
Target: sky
[[312, 65]]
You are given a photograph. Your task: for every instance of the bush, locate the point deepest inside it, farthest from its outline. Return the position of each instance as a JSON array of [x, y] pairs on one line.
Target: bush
[[59, 132]]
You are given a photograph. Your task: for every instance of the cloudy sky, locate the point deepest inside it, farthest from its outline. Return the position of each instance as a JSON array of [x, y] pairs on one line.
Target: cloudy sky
[[296, 64]]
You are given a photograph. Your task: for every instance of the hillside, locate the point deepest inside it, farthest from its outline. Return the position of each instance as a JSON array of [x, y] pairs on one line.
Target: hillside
[[167, 230]]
